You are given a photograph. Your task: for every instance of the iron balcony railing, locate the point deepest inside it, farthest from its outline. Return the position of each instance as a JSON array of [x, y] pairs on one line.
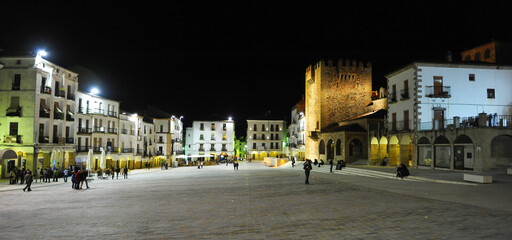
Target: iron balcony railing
[[438, 91]]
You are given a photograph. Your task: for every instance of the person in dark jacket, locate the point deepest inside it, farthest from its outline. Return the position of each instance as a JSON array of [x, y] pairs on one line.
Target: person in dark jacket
[[331, 163], [402, 171], [28, 180], [307, 170]]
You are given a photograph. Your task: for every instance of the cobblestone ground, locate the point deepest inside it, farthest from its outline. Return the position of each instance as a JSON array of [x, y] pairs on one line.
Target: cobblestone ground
[[255, 202]]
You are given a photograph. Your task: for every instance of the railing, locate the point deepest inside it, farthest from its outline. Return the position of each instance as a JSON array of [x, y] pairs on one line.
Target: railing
[[13, 139], [44, 139], [502, 121], [438, 91], [98, 111], [404, 94], [82, 148], [124, 131], [58, 115], [99, 129], [60, 93], [112, 114], [13, 112], [84, 130], [46, 90], [44, 114], [112, 130], [392, 98], [69, 117], [400, 126], [70, 140], [127, 150]]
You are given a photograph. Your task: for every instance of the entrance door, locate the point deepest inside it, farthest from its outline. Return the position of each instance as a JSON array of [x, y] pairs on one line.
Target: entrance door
[[458, 157], [438, 119], [438, 85]]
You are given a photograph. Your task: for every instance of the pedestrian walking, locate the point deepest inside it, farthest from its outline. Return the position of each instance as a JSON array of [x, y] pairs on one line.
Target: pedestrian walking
[[12, 177], [56, 175], [73, 180], [112, 172], [307, 169], [125, 172], [293, 161], [117, 172], [331, 163], [28, 180], [22, 175], [66, 175]]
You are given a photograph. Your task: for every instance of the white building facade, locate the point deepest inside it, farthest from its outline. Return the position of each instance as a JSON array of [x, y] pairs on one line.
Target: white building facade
[[214, 139], [297, 133], [265, 138], [448, 115]]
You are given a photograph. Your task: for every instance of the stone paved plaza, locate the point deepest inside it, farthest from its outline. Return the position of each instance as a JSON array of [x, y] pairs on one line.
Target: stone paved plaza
[[257, 202]]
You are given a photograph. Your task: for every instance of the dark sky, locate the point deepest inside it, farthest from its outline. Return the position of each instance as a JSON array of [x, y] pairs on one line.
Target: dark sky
[[238, 59]]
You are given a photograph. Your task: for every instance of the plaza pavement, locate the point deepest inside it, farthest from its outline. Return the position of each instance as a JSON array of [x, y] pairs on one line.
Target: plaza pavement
[[258, 202]]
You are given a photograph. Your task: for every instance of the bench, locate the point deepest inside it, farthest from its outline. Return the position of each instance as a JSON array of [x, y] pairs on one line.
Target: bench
[[477, 178]]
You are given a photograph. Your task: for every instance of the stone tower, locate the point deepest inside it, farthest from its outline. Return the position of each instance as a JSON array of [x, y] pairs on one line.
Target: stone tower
[[334, 93]]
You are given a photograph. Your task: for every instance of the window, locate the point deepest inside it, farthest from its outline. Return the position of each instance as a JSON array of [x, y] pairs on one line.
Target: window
[[472, 77], [16, 82], [253, 145], [213, 126], [201, 127], [18, 62], [477, 56], [255, 127], [13, 128], [487, 53], [490, 93]]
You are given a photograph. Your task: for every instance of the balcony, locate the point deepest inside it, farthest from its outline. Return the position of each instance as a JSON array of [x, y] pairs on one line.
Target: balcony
[[13, 112], [58, 115], [98, 111], [98, 130], [84, 130], [124, 131], [404, 94], [392, 98], [69, 117], [71, 96], [112, 114], [112, 130], [127, 150], [44, 139], [399, 126], [46, 90], [70, 140], [16, 87], [60, 93], [438, 92], [13, 139], [82, 148], [490, 121], [44, 114]]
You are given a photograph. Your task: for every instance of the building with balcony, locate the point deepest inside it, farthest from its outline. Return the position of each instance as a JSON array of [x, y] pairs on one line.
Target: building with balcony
[[265, 136], [296, 131], [449, 115], [212, 139], [37, 117], [169, 137], [97, 128]]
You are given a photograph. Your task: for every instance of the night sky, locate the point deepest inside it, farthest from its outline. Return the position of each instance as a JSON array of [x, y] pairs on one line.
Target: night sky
[[203, 60]]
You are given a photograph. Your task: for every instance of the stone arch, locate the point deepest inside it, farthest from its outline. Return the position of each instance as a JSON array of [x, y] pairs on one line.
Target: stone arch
[[394, 151], [321, 147], [355, 148], [463, 139], [501, 150], [374, 151], [423, 140], [383, 148], [406, 150], [442, 152], [330, 149], [424, 150]]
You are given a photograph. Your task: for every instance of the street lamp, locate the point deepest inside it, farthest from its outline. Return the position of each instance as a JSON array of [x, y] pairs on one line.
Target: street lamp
[[95, 91], [42, 53]]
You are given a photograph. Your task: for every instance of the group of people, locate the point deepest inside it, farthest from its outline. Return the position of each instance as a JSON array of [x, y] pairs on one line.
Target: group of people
[[78, 178]]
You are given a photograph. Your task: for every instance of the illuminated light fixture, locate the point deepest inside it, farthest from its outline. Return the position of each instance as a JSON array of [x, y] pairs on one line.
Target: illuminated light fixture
[[230, 119], [95, 91], [42, 53]]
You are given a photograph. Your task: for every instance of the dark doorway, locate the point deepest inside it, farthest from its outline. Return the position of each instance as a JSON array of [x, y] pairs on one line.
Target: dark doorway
[[458, 157]]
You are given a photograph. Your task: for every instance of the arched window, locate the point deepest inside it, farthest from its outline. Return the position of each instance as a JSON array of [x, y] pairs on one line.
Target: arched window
[[338, 147], [321, 147]]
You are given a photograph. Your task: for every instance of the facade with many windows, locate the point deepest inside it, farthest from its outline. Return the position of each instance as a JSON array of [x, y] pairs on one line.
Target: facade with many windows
[[265, 138], [38, 122], [449, 115], [296, 131], [213, 139]]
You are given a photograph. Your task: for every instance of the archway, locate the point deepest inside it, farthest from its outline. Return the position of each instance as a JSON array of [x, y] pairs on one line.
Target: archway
[[321, 147], [442, 153], [7, 161], [338, 147], [424, 152], [394, 151], [330, 149], [355, 149], [383, 148], [406, 150], [374, 151], [463, 151], [501, 150]]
